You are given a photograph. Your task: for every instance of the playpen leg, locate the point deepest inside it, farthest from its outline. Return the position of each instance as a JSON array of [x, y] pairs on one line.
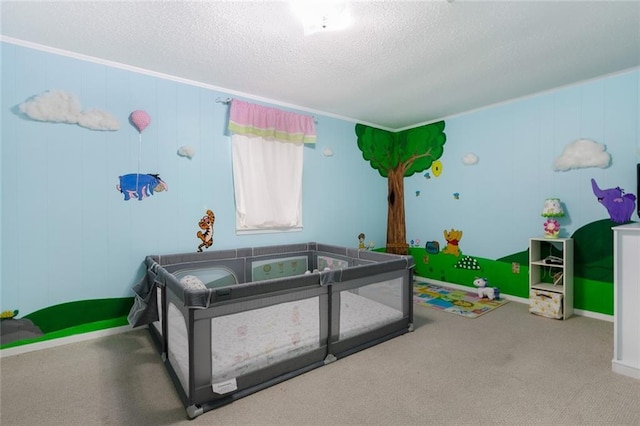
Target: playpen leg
[[329, 359], [194, 411]]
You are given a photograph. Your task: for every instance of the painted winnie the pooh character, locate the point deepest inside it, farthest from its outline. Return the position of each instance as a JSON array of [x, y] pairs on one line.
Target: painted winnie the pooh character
[[453, 238], [206, 224]]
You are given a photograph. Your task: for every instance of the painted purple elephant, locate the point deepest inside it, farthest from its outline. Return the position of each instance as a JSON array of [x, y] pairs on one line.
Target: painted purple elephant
[[620, 205], [140, 186]]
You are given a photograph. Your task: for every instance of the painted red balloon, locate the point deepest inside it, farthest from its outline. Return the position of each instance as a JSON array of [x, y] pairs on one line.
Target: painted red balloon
[[140, 119]]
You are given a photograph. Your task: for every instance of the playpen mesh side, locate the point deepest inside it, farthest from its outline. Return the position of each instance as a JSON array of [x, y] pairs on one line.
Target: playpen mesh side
[[251, 340], [371, 279], [360, 312], [279, 267], [282, 249], [235, 339]]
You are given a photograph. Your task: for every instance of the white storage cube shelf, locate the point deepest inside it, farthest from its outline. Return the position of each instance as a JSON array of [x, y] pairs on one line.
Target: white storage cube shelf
[[545, 263]]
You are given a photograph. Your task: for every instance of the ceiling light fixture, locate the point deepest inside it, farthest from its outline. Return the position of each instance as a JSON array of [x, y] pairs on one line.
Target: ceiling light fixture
[[317, 16]]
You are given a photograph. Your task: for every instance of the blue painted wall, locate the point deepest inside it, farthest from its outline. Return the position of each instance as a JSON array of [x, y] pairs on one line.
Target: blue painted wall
[[68, 235], [501, 197]]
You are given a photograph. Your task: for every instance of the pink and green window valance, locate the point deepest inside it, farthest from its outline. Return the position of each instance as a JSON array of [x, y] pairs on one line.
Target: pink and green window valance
[[271, 123]]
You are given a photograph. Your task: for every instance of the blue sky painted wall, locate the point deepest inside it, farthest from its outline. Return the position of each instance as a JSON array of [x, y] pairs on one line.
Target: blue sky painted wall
[[501, 197], [68, 235]]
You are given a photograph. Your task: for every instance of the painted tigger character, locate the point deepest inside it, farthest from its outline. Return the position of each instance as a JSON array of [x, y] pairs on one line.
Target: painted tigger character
[[206, 224]]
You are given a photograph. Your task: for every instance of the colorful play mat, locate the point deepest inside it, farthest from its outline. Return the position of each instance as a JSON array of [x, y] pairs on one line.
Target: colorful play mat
[[460, 302]]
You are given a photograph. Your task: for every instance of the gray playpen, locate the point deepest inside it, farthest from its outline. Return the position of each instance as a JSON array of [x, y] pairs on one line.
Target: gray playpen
[[229, 323]]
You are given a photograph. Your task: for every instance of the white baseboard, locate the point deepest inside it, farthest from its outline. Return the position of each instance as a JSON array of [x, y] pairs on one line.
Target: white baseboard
[[524, 300], [46, 344], [621, 367], [596, 315]]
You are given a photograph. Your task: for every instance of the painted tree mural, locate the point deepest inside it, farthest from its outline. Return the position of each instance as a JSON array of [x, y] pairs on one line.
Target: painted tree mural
[[394, 156]]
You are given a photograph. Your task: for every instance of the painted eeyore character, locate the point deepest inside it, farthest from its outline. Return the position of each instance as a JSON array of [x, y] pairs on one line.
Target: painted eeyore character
[[140, 186], [619, 204]]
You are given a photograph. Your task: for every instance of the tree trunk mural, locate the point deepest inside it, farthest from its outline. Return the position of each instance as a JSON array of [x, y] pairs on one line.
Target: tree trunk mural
[[396, 228], [394, 156]]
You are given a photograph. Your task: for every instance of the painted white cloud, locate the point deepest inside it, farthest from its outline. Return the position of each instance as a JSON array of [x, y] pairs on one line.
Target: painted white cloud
[[186, 151], [581, 154], [470, 159], [328, 152], [58, 106]]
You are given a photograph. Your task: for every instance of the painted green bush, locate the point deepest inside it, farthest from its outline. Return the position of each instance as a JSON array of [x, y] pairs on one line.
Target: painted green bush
[[593, 268], [442, 267], [78, 317]]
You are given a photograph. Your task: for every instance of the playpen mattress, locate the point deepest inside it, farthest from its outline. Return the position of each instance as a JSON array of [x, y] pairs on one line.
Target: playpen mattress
[[248, 341]]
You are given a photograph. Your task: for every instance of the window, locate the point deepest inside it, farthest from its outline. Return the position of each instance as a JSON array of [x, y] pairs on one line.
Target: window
[[267, 166]]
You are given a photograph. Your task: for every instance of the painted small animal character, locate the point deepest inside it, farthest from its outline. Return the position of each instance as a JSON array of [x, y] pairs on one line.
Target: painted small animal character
[[619, 206], [206, 225], [453, 238], [140, 186], [490, 293]]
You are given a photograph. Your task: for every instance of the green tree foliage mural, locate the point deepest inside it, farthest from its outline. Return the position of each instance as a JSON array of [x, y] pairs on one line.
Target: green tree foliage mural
[[394, 156]]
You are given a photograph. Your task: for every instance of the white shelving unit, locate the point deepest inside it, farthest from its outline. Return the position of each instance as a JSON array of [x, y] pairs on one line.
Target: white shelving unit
[[626, 296], [541, 271]]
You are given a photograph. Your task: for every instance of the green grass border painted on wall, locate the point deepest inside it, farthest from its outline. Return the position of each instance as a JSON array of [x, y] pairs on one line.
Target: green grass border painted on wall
[[441, 267], [71, 331], [589, 295], [71, 314], [593, 296], [84, 316]]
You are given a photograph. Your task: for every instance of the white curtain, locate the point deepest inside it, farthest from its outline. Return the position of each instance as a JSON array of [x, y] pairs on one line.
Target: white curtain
[[267, 177], [267, 149]]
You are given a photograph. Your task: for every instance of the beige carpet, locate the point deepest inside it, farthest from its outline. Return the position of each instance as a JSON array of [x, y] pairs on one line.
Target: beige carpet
[[508, 367]]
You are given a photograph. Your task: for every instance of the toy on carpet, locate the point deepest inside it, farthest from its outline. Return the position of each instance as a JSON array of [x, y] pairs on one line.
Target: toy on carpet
[[453, 238], [483, 291]]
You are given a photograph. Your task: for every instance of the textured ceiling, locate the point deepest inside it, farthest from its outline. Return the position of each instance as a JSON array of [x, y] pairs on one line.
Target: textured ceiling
[[398, 65]]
